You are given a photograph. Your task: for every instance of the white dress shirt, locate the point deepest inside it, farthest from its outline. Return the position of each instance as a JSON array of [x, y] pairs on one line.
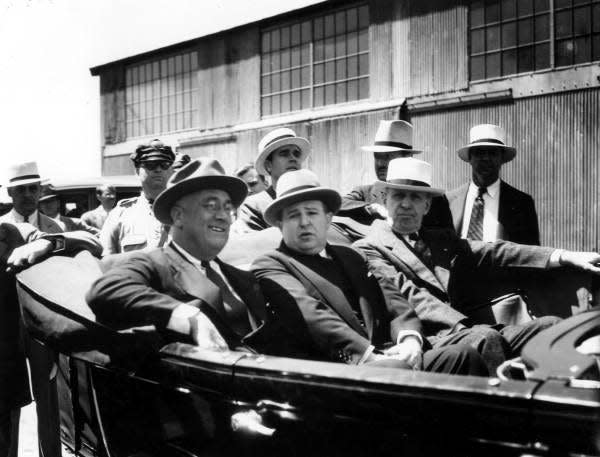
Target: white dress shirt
[[491, 203], [33, 218]]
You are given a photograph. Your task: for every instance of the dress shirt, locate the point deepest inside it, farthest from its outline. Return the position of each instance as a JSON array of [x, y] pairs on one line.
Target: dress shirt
[[32, 218], [491, 203]]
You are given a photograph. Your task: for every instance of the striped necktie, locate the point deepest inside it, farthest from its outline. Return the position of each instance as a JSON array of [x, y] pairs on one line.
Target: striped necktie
[[475, 231]]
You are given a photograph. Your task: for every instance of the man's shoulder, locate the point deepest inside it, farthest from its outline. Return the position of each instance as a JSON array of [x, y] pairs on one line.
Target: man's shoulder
[[513, 192], [148, 257], [260, 199], [458, 191], [49, 225], [127, 202]]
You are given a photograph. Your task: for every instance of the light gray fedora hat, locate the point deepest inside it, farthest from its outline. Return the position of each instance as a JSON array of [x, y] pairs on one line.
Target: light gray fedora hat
[[411, 174]]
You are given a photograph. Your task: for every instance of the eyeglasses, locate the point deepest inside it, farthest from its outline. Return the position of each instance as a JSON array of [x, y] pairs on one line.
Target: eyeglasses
[[151, 166]]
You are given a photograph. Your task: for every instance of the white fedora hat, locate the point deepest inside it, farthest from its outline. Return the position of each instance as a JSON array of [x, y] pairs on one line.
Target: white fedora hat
[[409, 173], [393, 136], [276, 139], [20, 174], [488, 135], [298, 186]]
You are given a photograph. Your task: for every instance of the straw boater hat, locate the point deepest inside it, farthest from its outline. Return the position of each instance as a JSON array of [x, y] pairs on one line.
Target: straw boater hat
[[298, 186], [393, 136], [408, 173], [23, 173], [200, 174], [488, 135], [276, 139]]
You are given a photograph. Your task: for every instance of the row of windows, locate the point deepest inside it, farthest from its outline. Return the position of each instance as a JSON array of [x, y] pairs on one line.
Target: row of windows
[[324, 60]]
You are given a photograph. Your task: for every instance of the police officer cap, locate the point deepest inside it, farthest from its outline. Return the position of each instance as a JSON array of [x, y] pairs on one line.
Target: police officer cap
[[153, 151]]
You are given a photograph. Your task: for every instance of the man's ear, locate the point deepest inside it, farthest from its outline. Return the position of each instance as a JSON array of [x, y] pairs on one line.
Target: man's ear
[[268, 166], [9, 190], [176, 216], [428, 204]]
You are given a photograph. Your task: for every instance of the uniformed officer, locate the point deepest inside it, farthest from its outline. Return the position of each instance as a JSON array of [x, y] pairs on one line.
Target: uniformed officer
[[131, 225]]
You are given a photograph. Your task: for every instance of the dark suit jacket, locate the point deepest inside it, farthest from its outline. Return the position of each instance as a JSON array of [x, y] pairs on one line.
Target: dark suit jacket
[[14, 380], [354, 206], [438, 294], [516, 214], [145, 288], [317, 314]]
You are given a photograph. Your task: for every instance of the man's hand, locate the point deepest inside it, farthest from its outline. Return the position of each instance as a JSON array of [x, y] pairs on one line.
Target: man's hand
[[205, 334], [586, 261], [409, 351], [28, 254], [377, 210]]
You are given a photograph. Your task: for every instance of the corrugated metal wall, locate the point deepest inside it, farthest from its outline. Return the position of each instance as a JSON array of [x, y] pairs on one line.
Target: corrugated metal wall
[[558, 162]]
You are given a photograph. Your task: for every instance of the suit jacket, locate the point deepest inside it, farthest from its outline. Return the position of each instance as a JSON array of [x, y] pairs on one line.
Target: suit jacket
[[44, 223], [438, 292], [14, 380], [316, 313], [354, 206], [251, 212], [145, 288], [516, 214]]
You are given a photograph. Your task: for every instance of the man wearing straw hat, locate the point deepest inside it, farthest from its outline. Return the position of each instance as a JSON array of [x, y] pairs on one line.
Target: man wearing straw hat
[[487, 208], [24, 188], [432, 268], [182, 288], [324, 298], [279, 151], [364, 203]]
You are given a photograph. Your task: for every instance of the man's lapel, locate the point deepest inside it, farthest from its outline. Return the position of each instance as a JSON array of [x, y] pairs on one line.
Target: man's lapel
[[193, 282], [246, 286], [506, 211], [457, 207]]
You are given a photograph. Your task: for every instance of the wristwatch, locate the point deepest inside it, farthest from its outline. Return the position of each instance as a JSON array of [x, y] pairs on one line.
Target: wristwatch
[[58, 242]]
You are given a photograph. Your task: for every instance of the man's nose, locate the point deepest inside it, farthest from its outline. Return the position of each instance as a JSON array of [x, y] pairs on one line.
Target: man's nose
[[304, 220]]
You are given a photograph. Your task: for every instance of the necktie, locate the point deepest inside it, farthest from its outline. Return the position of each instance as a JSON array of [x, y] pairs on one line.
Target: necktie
[[475, 231], [235, 309], [421, 249]]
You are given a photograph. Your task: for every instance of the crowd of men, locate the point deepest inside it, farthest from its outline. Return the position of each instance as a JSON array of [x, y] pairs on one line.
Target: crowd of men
[[383, 297]]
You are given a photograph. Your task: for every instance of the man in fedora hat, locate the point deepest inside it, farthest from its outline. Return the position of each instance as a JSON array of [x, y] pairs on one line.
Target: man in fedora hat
[[279, 151], [487, 208], [182, 288], [434, 269], [20, 246], [131, 225], [49, 205], [24, 188], [364, 203], [324, 297]]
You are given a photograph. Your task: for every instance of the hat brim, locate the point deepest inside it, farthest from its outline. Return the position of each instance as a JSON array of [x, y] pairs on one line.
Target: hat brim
[[45, 198], [381, 148], [235, 187], [508, 152], [24, 182], [330, 197], [302, 144], [424, 189]]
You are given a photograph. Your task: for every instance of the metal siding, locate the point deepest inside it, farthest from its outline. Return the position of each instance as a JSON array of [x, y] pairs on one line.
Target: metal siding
[[557, 162], [400, 56], [380, 51]]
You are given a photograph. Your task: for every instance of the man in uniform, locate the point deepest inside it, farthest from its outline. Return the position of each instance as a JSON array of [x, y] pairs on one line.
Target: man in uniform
[[131, 225], [431, 267], [279, 151], [364, 203], [106, 195], [24, 188]]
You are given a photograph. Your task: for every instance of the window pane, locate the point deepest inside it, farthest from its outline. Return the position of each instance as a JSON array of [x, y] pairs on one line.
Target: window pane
[[582, 20], [305, 54], [296, 102], [296, 78], [578, 2], [340, 22], [319, 73], [295, 56], [542, 27], [564, 52], [363, 17], [583, 50], [477, 10], [295, 35], [340, 92], [285, 80], [266, 64], [492, 11], [340, 46], [352, 67], [285, 102], [596, 17], [477, 67], [275, 61], [509, 34], [319, 96], [305, 98], [509, 62], [542, 56], [509, 9], [330, 48], [492, 64], [477, 41], [285, 59], [330, 71], [266, 42], [318, 29], [275, 40], [363, 40], [275, 82], [352, 90], [492, 35], [305, 76], [319, 50], [363, 64], [542, 5], [306, 32], [285, 37], [266, 84], [525, 59], [352, 43], [524, 7], [329, 26], [340, 69], [562, 3], [352, 19], [525, 31], [563, 24], [329, 94], [363, 88]]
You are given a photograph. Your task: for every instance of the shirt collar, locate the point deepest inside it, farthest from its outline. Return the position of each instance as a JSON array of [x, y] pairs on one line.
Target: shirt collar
[[492, 190], [19, 218], [189, 257]]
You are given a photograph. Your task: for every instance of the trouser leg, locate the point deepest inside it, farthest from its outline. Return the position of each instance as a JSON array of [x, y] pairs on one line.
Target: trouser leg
[[9, 432], [489, 343], [518, 335], [455, 359]]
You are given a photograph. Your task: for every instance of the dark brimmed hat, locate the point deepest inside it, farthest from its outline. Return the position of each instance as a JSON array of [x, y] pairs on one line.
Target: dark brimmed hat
[[393, 136], [200, 174], [488, 135], [154, 151], [410, 174], [298, 186], [276, 139]]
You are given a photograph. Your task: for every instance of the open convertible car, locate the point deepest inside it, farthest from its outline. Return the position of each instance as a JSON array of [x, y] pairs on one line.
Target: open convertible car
[[119, 395]]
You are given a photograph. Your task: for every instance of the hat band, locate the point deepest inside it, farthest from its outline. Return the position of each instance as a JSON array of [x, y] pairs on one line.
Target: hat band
[[296, 189], [282, 137], [488, 140], [22, 178], [408, 182], [395, 144]]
